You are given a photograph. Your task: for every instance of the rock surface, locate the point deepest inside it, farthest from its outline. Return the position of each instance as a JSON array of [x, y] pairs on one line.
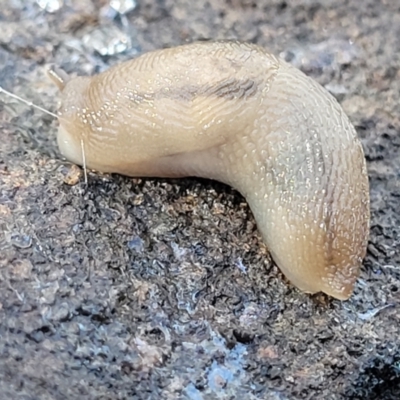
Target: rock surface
[[163, 289]]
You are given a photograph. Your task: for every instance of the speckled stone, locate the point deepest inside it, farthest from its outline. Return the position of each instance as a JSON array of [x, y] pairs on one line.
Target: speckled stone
[[163, 289]]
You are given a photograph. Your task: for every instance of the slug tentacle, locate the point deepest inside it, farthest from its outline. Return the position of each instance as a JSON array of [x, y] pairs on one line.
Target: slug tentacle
[[58, 76], [232, 112]]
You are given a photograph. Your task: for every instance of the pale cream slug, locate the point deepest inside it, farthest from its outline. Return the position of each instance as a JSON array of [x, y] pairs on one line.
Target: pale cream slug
[[233, 112]]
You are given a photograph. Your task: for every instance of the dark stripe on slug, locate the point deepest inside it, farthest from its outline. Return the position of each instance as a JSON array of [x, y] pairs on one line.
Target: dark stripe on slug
[[232, 89], [229, 89]]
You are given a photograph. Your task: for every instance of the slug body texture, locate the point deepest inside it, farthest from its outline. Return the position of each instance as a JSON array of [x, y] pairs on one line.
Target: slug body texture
[[232, 112]]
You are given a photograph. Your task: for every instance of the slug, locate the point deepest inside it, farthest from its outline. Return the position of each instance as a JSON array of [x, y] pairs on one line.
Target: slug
[[232, 112]]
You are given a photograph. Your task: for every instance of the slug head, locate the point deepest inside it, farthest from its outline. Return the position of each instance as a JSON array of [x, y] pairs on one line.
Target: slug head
[[103, 131], [67, 142], [70, 137]]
